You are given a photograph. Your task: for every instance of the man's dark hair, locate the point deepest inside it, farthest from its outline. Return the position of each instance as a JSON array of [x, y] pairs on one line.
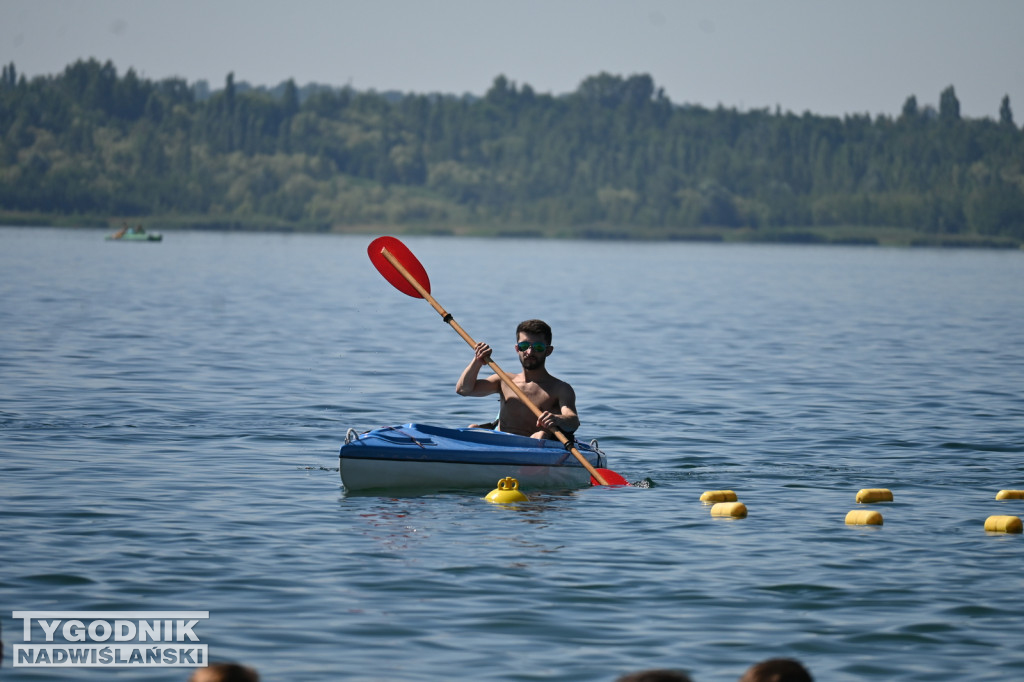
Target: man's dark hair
[[535, 327], [656, 676], [777, 670], [225, 672]]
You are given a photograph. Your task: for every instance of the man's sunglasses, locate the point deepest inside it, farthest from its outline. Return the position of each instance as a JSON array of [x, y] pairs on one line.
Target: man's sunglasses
[[538, 347]]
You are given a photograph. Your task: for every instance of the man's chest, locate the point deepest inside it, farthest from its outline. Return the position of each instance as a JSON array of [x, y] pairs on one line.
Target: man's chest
[[539, 395]]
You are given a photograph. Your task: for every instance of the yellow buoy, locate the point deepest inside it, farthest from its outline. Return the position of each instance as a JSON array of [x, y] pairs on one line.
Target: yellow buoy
[[718, 496], [736, 510], [874, 495], [1004, 524], [863, 517], [1010, 495], [507, 492]]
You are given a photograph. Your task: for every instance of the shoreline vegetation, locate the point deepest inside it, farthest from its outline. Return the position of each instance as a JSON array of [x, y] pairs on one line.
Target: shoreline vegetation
[[613, 160], [836, 236]]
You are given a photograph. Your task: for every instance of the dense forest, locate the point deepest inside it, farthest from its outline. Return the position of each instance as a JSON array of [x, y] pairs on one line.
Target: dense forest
[[615, 158]]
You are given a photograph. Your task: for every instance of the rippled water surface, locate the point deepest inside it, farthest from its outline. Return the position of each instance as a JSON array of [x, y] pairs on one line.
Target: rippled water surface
[[170, 416]]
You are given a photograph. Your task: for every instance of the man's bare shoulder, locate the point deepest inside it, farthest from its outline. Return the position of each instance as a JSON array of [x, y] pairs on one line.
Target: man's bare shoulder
[[566, 388], [556, 381], [556, 386]]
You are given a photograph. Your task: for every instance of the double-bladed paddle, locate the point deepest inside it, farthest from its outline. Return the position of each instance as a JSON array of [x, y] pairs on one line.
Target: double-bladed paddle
[[396, 262]]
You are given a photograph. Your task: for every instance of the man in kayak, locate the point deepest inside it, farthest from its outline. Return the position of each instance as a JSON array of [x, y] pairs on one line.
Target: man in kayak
[[554, 397]]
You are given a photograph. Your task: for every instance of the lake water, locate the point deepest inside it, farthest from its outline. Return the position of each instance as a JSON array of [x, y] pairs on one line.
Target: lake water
[[170, 418]]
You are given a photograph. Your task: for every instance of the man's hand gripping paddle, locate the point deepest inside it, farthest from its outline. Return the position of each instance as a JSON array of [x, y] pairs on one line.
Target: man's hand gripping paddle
[[396, 262]]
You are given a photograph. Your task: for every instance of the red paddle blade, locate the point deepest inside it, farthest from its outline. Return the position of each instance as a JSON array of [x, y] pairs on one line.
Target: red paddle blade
[[404, 256], [610, 476]]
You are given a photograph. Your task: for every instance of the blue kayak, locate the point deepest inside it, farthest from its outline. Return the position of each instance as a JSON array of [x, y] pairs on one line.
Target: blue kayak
[[431, 457]]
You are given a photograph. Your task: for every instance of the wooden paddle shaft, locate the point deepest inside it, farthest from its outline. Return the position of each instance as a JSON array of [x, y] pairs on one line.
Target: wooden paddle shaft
[[447, 317]]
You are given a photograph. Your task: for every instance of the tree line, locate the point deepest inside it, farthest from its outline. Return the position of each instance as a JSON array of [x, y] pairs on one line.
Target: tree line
[[613, 157]]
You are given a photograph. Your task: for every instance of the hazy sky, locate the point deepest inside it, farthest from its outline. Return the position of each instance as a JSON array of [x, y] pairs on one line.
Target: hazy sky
[[828, 57]]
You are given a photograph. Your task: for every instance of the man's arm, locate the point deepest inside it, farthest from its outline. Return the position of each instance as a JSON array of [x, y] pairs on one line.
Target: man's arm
[[566, 419], [469, 384]]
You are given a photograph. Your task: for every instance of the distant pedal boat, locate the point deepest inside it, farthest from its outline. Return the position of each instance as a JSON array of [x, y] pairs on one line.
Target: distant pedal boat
[[419, 456], [135, 237]]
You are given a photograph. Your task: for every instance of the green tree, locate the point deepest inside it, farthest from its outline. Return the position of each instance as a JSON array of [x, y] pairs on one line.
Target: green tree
[[9, 76], [290, 104], [910, 113], [949, 106], [1005, 113]]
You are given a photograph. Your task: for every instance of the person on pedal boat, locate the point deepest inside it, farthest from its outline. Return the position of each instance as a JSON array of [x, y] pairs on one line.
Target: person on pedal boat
[[554, 397]]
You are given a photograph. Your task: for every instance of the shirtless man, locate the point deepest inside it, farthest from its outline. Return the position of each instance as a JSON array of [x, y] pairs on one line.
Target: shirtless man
[[554, 397]]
